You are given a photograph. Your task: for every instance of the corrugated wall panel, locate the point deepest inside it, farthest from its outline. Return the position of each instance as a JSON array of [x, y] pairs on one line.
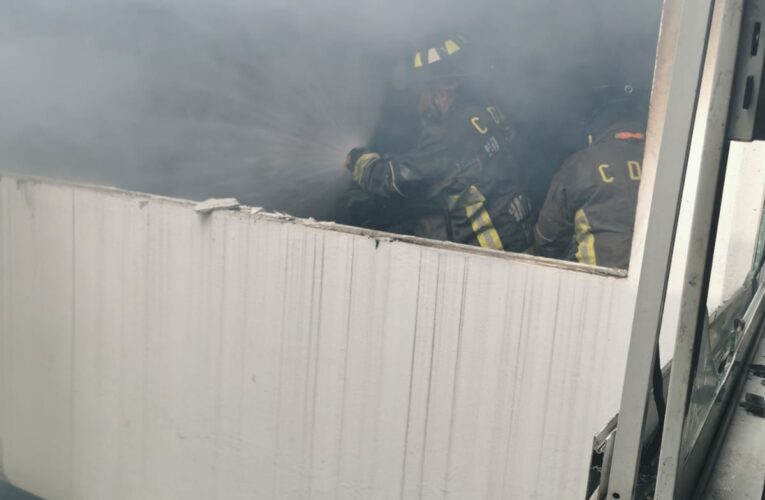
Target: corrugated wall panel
[[149, 352], [37, 348]]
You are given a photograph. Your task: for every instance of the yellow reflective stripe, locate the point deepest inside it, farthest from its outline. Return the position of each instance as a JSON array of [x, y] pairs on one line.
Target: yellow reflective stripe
[[361, 165], [418, 60], [451, 47], [584, 237], [477, 225], [483, 227], [469, 197], [433, 56], [475, 196], [491, 234]]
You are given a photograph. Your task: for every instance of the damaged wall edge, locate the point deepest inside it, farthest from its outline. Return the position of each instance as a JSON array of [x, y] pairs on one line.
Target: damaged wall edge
[[260, 213]]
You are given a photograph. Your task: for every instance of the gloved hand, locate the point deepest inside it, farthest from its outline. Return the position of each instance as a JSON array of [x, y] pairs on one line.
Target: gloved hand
[[353, 157]]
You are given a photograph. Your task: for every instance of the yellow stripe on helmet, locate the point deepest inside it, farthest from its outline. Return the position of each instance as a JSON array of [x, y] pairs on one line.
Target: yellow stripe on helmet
[[433, 56], [418, 60], [451, 47]]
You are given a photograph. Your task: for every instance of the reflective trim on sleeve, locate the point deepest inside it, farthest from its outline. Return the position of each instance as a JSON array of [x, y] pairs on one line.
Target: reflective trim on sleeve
[[393, 179], [468, 197], [585, 239], [362, 164]]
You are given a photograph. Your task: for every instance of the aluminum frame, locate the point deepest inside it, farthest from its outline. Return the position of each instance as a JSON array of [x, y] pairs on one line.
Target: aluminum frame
[[707, 159], [682, 44], [732, 51]]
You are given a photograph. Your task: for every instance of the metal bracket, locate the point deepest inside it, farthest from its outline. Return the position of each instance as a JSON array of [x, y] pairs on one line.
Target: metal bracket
[[747, 115], [600, 462]]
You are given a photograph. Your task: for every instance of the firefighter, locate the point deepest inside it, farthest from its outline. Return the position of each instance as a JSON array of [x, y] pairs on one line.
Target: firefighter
[[461, 181], [589, 213]]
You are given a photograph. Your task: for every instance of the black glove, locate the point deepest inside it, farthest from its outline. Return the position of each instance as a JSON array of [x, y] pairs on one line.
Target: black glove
[[353, 157]]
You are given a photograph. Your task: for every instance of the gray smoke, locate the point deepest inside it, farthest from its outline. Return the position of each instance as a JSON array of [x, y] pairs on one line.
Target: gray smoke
[[261, 100]]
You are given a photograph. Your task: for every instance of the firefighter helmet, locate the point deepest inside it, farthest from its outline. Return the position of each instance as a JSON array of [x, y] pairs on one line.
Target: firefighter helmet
[[444, 57], [614, 103], [625, 96]]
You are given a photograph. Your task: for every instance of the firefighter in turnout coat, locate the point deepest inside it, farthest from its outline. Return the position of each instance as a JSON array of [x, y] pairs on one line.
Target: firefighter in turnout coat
[[589, 213], [461, 182]]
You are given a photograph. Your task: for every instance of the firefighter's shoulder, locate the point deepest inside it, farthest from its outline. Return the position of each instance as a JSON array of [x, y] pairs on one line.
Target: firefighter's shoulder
[[582, 159]]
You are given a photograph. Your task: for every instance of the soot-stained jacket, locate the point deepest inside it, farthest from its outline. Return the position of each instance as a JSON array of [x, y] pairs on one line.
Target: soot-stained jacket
[[461, 182], [589, 212]]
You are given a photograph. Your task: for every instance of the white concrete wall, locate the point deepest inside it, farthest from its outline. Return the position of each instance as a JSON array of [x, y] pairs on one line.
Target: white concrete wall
[[148, 352]]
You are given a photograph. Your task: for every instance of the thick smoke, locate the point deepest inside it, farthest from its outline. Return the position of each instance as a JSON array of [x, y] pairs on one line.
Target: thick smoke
[[261, 99]]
